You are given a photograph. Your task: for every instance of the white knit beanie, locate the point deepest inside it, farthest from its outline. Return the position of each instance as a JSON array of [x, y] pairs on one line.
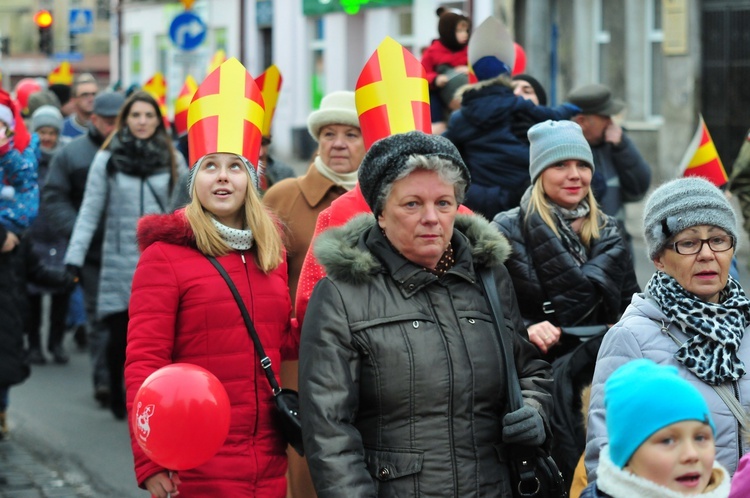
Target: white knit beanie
[[553, 141], [335, 108]]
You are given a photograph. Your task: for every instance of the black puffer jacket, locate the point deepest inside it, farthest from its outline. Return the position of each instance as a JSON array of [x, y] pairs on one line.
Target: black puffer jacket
[[542, 269], [18, 267], [401, 380]]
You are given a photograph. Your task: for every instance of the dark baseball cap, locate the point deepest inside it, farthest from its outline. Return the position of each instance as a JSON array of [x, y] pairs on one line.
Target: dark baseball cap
[[595, 99], [108, 104]]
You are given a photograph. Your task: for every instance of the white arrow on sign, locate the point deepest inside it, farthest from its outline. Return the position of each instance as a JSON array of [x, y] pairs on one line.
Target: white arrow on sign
[[193, 29]]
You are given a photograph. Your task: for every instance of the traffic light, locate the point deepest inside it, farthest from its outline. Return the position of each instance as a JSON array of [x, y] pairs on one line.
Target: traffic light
[[43, 19]]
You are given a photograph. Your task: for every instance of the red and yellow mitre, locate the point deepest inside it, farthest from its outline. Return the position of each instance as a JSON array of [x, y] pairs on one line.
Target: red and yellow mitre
[[62, 74], [156, 86], [226, 114], [270, 86], [392, 94], [181, 105], [219, 57]]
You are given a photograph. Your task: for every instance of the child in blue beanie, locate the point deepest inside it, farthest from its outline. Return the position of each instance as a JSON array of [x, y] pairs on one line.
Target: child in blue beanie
[[661, 438]]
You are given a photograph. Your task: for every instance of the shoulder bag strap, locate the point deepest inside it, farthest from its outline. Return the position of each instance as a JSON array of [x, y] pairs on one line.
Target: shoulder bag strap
[[265, 361], [156, 196], [515, 398], [723, 391]]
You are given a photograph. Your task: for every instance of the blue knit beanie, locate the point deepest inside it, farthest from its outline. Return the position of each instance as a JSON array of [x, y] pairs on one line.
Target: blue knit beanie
[[554, 141], [684, 203], [641, 398]]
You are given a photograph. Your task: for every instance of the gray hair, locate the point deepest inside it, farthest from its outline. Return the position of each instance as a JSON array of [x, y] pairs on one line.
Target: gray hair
[[446, 169]]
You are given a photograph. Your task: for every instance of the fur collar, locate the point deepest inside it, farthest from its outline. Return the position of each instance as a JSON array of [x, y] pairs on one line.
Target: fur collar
[[502, 80], [171, 228], [344, 258], [620, 483]]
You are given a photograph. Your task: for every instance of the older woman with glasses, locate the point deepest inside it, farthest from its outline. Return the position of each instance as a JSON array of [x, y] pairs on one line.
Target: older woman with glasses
[[692, 315]]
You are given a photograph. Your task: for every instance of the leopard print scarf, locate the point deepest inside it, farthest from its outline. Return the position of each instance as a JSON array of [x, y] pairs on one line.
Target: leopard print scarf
[[715, 329]]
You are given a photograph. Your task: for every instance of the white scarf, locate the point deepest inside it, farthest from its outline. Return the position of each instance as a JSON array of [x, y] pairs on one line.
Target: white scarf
[[343, 180], [241, 240], [620, 483]]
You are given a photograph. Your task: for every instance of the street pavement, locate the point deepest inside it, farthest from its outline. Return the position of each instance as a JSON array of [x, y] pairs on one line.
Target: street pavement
[[62, 444]]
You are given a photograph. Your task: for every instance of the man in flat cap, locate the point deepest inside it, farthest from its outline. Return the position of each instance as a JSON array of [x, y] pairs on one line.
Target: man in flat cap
[[626, 172]]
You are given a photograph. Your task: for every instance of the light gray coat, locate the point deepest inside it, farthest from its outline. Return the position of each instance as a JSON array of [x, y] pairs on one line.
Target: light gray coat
[[638, 334], [125, 199]]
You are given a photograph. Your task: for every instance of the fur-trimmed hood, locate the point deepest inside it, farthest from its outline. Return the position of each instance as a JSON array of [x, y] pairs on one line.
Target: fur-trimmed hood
[[171, 228], [344, 255], [501, 80]]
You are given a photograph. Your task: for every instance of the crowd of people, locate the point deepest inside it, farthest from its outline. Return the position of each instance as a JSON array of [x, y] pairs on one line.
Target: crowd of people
[[363, 279]]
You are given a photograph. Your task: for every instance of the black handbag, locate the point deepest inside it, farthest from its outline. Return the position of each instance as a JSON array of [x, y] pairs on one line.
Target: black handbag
[[533, 472], [286, 400]]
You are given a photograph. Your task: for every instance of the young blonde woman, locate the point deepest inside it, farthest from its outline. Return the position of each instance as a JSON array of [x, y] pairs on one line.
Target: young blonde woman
[[183, 311], [570, 267]]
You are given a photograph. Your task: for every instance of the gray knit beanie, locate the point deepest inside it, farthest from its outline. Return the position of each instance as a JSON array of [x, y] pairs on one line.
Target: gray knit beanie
[[681, 204], [47, 115], [387, 158], [555, 141]]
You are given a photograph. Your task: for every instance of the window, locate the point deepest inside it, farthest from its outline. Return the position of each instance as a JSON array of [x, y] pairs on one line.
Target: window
[[404, 30], [102, 9], [603, 14], [655, 59], [135, 58], [317, 83]]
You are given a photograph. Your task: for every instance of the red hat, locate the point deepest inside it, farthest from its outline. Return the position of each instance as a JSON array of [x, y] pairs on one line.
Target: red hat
[[21, 138], [392, 94]]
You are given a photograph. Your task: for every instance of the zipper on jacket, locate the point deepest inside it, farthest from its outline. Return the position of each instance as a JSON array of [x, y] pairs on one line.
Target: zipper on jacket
[[255, 378]]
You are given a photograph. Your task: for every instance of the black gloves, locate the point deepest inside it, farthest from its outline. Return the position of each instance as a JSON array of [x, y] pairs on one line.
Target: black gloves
[[524, 426]]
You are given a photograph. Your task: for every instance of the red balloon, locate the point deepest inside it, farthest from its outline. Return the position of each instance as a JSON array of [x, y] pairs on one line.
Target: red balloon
[[180, 416], [24, 88], [519, 65]]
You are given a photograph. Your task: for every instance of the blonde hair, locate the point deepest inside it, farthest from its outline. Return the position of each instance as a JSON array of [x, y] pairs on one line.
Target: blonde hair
[[268, 246], [541, 204]]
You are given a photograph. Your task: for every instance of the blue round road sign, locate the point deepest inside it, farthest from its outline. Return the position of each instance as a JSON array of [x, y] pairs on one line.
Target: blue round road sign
[[187, 31]]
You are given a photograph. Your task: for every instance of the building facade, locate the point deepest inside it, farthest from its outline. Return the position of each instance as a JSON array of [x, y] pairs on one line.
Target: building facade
[[668, 59]]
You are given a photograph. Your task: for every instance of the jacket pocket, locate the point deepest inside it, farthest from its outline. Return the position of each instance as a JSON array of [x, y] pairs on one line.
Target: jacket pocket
[[390, 466]]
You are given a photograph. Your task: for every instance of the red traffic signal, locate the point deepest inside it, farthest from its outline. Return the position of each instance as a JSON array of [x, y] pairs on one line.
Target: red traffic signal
[[43, 18]]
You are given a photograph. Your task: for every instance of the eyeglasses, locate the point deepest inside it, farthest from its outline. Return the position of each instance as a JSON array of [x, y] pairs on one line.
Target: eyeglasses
[[88, 94], [717, 243]]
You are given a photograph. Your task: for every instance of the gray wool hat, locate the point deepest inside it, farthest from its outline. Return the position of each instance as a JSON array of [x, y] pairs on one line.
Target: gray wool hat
[[684, 203], [47, 115], [108, 104], [387, 158], [553, 141], [43, 97]]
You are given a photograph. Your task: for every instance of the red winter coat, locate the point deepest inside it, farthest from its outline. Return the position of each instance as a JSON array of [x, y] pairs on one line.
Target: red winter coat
[[181, 310], [437, 54]]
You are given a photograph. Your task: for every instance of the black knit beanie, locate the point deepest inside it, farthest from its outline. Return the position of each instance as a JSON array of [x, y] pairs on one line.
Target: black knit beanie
[[449, 19], [541, 95], [387, 158]]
